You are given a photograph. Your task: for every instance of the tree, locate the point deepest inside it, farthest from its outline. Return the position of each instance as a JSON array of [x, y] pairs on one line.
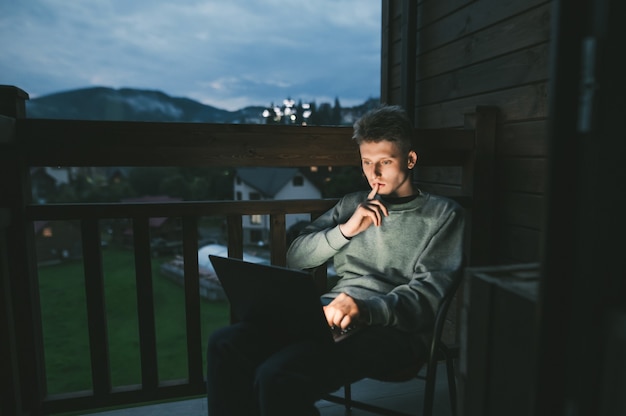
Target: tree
[[146, 180], [336, 117]]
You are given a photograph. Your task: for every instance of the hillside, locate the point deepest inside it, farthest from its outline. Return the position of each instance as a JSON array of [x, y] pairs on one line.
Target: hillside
[[128, 104]]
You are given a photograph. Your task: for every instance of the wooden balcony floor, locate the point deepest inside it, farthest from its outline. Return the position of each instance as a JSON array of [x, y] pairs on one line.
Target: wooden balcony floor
[[407, 397]]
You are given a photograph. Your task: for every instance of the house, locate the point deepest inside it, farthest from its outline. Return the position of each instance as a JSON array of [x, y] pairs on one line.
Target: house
[[56, 241], [261, 183], [45, 181]]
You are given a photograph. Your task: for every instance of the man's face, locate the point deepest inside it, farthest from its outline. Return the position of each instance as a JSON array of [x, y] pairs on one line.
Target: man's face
[[387, 168]]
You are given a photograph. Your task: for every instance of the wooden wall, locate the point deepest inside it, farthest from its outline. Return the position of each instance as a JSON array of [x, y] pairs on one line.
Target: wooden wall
[[442, 58]]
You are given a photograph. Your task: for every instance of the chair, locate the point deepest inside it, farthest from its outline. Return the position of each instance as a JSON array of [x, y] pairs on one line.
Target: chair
[[439, 351], [477, 166]]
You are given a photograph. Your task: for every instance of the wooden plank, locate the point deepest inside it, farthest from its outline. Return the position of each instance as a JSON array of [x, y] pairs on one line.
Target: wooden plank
[[385, 45], [278, 242], [9, 371], [431, 11], [101, 143], [478, 304], [516, 33], [178, 209], [503, 72], [518, 244], [192, 300], [7, 129], [451, 175], [529, 138], [522, 210], [13, 101], [145, 304], [235, 235], [470, 20], [522, 175], [89, 143], [409, 26], [479, 182], [528, 102], [96, 310]]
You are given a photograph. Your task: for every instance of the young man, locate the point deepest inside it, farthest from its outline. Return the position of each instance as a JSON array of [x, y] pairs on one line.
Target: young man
[[395, 249]]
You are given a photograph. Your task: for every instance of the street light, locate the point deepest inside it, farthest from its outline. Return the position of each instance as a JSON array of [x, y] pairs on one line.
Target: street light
[[288, 113]]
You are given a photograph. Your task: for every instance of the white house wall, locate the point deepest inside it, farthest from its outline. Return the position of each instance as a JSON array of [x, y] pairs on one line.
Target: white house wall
[[289, 191], [306, 191]]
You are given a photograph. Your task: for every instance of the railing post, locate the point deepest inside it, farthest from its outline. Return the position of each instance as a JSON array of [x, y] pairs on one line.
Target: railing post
[[18, 274], [12, 101]]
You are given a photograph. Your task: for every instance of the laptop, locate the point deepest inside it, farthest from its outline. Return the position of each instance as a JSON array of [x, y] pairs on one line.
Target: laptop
[[273, 295]]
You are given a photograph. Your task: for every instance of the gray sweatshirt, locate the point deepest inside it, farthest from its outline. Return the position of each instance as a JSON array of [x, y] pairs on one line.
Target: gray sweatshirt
[[397, 272]]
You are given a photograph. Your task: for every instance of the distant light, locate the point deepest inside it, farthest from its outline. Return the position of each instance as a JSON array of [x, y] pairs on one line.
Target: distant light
[[306, 106], [293, 117], [306, 113], [266, 113]]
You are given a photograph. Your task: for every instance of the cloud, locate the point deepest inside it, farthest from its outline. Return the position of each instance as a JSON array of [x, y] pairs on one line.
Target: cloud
[[224, 53]]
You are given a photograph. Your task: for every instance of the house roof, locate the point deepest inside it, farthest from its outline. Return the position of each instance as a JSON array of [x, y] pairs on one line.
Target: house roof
[[267, 180]]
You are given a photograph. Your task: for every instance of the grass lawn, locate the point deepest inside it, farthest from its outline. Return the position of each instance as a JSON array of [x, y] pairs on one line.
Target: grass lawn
[[64, 316]]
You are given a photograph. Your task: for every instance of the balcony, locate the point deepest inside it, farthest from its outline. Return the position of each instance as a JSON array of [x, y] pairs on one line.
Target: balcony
[[27, 143]]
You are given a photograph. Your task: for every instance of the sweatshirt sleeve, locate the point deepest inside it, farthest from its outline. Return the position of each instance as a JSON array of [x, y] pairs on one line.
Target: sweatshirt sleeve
[[320, 240], [412, 306]]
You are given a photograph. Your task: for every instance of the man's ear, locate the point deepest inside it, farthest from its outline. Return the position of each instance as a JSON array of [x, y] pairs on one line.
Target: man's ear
[[412, 159]]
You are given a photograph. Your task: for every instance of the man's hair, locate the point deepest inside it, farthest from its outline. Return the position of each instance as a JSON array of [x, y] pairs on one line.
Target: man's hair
[[387, 122]]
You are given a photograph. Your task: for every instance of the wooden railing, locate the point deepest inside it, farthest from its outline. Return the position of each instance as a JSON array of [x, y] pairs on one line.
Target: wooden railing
[[25, 143]]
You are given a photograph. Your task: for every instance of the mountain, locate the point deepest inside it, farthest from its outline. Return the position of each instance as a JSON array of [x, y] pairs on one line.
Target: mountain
[[127, 104]]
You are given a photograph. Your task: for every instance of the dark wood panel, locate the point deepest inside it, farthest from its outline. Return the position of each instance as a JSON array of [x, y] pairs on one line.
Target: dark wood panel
[[443, 175], [528, 102], [70, 143], [431, 11], [396, 84], [523, 139], [176, 209], [524, 210], [518, 245], [98, 143], [506, 71], [470, 20], [96, 309], [145, 305], [395, 11], [518, 32], [521, 175], [193, 321]]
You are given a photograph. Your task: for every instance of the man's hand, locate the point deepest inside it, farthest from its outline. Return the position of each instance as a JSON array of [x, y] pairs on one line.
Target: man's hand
[[367, 213], [342, 311]]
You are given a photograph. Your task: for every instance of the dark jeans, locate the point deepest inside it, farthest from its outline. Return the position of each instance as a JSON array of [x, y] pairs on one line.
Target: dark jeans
[[253, 370]]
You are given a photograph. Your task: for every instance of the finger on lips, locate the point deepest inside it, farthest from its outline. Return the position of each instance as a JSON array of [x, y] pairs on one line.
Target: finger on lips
[[372, 194]]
